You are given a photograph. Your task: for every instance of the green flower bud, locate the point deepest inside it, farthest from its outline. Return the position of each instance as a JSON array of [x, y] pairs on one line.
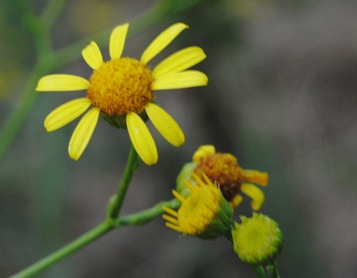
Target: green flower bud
[[257, 240]]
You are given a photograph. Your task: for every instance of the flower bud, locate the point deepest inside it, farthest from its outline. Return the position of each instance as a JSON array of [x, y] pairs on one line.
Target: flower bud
[[204, 213], [257, 240]]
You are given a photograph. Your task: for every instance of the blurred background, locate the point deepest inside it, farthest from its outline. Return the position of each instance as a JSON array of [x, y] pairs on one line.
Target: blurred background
[[282, 97]]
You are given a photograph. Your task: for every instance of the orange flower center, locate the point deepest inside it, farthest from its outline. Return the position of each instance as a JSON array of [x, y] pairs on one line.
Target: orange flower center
[[223, 169], [120, 86]]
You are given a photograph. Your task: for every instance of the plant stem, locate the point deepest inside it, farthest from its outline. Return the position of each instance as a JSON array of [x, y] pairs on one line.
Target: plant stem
[[139, 218], [143, 217], [65, 251], [259, 271], [98, 231], [273, 270], [116, 201]]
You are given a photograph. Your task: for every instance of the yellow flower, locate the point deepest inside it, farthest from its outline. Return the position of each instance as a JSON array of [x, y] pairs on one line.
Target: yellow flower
[[121, 90], [205, 213], [223, 169]]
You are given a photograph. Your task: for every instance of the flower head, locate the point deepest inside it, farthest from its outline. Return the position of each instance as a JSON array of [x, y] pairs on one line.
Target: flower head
[[224, 170], [121, 90], [204, 213], [257, 240]]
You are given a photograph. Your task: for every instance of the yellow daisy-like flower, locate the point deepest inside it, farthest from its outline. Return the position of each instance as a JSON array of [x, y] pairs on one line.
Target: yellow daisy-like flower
[[121, 90], [223, 169], [205, 213]]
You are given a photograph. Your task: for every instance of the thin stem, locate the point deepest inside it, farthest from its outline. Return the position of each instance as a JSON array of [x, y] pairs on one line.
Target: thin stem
[[116, 201], [273, 270], [135, 219], [98, 231], [65, 251], [259, 271], [143, 217]]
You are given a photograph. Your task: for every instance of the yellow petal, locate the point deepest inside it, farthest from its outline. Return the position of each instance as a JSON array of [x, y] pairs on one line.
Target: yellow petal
[[170, 211], [236, 201], [117, 40], [179, 196], [184, 79], [202, 152], [62, 82], [170, 219], [82, 134], [141, 138], [165, 124], [255, 176], [179, 61], [92, 55], [174, 227], [161, 41], [255, 193], [66, 113]]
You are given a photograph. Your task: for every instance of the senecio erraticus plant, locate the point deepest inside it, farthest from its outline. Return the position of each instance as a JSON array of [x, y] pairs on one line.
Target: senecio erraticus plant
[[121, 91]]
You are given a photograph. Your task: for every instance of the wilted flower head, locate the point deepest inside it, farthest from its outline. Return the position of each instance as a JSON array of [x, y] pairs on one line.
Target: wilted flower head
[[224, 170]]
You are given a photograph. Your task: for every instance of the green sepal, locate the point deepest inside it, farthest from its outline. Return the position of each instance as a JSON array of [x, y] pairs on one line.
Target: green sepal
[[185, 174]]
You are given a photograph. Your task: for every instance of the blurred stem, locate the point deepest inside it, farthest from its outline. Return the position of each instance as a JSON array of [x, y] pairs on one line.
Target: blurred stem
[[44, 64], [52, 12], [273, 270], [259, 271], [49, 60], [23, 107]]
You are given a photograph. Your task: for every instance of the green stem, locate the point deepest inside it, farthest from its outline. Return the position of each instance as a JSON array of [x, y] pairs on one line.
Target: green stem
[[101, 229], [116, 201], [273, 270], [65, 251], [52, 12], [259, 271], [143, 217], [134, 219]]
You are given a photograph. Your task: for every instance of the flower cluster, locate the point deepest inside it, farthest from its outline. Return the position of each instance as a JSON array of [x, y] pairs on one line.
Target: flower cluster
[[208, 189]]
